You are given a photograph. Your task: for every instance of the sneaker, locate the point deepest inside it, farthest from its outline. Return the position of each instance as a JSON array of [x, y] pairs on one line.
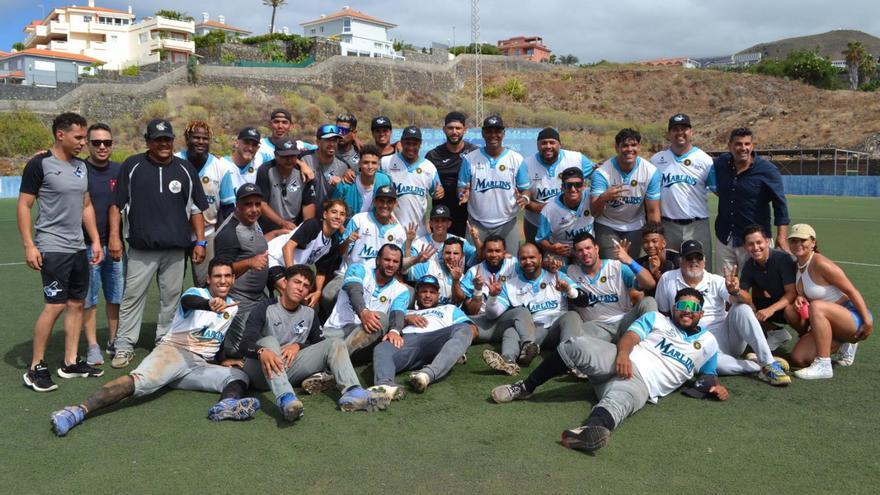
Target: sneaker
[[39, 379], [527, 353], [777, 338], [237, 409], [586, 438], [498, 363], [390, 392], [751, 356], [462, 359], [419, 381], [774, 374], [79, 370], [122, 359], [94, 356], [509, 393], [319, 382], [816, 371], [358, 399], [290, 406], [65, 419], [846, 354], [111, 347]]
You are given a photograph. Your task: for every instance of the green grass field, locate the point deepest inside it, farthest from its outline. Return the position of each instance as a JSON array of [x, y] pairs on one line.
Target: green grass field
[[812, 437]]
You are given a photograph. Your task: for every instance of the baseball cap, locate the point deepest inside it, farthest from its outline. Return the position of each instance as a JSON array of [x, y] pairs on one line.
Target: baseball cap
[[287, 147], [572, 172], [691, 247], [381, 122], [280, 112], [428, 280], [493, 121], [700, 387], [159, 128], [385, 191], [248, 189], [455, 117], [679, 119], [548, 133], [441, 211], [411, 132], [249, 133], [328, 131], [801, 231]]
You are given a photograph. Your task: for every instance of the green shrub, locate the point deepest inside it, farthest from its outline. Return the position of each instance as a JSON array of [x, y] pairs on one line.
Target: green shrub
[[327, 104], [156, 109], [491, 91], [515, 89], [227, 58], [870, 86], [22, 134], [193, 112], [131, 71]]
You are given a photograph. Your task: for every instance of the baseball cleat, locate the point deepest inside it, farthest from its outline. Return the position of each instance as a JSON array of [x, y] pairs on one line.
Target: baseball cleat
[[290, 406], [79, 370], [503, 394], [586, 438], [462, 359], [419, 381], [358, 399], [65, 419], [319, 382], [751, 356], [528, 352], [390, 392], [39, 379], [774, 374], [235, 409], [498, 363], [122, 359], [846, 354]]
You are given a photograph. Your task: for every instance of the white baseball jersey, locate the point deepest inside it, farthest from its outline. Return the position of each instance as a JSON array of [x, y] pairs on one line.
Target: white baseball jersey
[[470, 252], [641, 183], [372, 236], [608, 291], [235, 178], [560, 224], [438, 317], [312, 244], [436, 267], [266, 151], [712, 287], [393, 296], [545, 181], [211, 174], [201, 332], [684, 183], [414, 183], [539, 296], [506, 271], [493, 183], [667, 357]]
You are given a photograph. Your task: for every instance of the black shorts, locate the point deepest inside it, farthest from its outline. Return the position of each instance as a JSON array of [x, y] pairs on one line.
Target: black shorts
[[65, 276]]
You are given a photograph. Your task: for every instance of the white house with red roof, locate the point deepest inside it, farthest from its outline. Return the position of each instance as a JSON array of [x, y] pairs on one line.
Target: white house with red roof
[[359, 34], [207, 25]]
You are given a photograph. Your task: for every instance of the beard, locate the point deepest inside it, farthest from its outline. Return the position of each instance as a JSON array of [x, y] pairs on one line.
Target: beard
[[693, 273]]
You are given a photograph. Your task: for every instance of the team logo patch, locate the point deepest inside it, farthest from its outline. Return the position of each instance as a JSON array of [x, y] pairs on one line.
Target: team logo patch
[[503, 278], [543, 285], [697, 345], [79, 172], [687, 162], [205, 180], [603, 279], [586, 213], [634, 183], [557, 175], [383, 299], [502, 167], [390, 237], [174, 186], [226, 315], [250, 170], [419, 170]]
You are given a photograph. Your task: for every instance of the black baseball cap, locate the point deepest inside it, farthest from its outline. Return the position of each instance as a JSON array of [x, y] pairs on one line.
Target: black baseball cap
[[248, 189], [441, 211], [159, 128], [572, 172], [679, 119], [386, 191], [428, 280], [381, 122], [280, 112], [249, 133], [493, 121], [287, 147], [691, 247], [700, 388], [411, 132]]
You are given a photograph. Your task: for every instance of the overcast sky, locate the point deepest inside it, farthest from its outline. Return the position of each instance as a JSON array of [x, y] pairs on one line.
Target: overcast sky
[[617, 30]]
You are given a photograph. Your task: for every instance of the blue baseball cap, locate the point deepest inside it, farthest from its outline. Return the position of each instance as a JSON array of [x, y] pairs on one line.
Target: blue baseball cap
[[428, 280], [327, 131]]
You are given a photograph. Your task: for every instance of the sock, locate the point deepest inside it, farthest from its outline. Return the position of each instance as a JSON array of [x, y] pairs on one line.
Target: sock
[[600, 416], [552, 366], [233, 390]]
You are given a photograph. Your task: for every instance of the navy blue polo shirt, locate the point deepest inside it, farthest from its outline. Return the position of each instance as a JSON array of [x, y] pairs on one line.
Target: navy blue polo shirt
[[768, 282], [744, 199], [102, 190]]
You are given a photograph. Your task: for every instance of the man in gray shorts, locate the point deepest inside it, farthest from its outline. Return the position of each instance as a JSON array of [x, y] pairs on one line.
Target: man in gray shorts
[[182, 359], [57, 249], [283, 346]]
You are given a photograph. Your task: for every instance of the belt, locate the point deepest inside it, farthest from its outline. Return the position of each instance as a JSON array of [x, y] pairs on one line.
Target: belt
[[683, 222]]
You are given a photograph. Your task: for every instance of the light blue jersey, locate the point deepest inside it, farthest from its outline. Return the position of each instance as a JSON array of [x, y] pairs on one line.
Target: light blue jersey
[[235, 178], [639, 184], [393, 296], [201, 332], [539, 296], [545, 179], [560, 224], [493, 183]]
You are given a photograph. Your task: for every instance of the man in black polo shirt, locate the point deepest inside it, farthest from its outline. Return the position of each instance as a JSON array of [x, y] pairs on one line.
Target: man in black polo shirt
[[657, 259], [770, 275], [57, 180], [162, 199], [289, 196], [447, 159]]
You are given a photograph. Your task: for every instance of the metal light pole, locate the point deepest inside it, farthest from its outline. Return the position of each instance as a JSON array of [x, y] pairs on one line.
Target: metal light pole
[[478, 61]]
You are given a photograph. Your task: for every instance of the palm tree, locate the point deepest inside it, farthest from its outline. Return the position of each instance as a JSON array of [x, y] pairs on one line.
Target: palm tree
[[274, 4], [855, 54]]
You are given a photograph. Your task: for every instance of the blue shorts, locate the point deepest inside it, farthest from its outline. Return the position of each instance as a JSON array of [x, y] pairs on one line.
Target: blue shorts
[[855, 314], [108, 274]]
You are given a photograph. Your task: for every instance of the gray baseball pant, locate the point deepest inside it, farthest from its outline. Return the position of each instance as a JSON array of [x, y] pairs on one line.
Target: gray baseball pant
[[508, 230], [739, 329], [354, 335], [612, 332], [511, 328], [436, 351], [176, 367]]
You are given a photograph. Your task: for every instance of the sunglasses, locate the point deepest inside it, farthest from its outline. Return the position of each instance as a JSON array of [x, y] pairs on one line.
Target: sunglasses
[[688, 306], [98, 142], [694, 257], [343, 130], [572, 185]]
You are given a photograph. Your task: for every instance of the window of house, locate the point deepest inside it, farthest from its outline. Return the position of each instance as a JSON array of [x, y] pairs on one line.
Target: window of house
[[312, 31], [87, 18], [322, 29], [346, 25]]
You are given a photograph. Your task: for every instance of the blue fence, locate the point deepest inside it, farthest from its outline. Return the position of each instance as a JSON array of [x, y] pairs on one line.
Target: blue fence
[[9, 187], [826, 185]]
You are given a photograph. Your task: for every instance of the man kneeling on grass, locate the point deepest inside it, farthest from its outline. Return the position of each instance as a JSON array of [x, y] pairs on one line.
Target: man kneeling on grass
[[282, 345], [434, 338], [182, 359], [655, 357]]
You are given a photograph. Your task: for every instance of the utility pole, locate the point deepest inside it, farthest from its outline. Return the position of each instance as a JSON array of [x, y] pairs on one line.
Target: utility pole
[[478, 62]]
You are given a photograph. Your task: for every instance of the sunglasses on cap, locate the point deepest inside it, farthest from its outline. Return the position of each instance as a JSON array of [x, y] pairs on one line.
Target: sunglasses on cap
[[688, 306], [572, 185], [98, 142]]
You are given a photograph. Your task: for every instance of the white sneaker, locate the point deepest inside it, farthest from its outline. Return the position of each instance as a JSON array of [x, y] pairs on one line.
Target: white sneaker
[[387, 392], [419, 381], [777, 338], [846, 354], [816, 371]]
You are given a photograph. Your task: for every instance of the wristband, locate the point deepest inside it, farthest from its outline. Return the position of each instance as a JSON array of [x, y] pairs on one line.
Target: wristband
[[202, 243], [635, 267]]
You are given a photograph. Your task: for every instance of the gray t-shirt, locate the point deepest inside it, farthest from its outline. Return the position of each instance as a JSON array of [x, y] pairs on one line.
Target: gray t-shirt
[[323, 174], [285, 195], [351, 157], [271, 318], [236, 241], [60, 187]]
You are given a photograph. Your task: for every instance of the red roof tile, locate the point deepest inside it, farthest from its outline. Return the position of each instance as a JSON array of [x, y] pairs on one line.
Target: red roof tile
[[216, 24], [54, 54], [350, 13]]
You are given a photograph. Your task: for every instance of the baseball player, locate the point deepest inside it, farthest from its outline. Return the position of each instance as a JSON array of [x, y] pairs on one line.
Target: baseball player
[[244, 171], [440, 223], [414, 179], [565, 216], [280, 124], [182, 359], [448, 269], [656, 356]]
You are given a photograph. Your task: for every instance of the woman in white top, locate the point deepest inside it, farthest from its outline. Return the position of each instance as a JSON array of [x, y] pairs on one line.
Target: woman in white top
[[836, 314]]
